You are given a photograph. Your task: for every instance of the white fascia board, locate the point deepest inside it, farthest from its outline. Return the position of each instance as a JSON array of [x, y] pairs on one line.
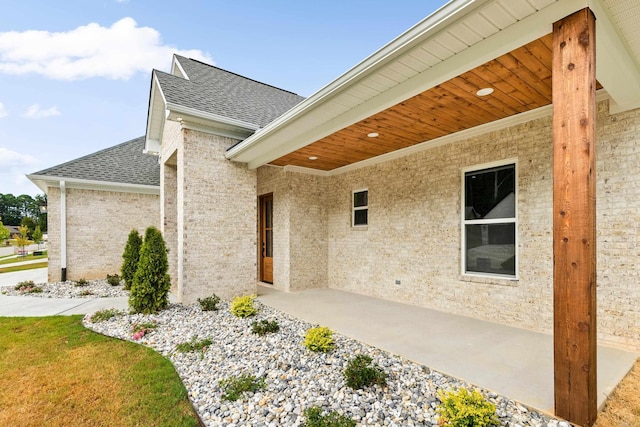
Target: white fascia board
[[528, 29], [429, 26], [225, 131], [174, 110], [616, 70], [155, 117], [44, 181]]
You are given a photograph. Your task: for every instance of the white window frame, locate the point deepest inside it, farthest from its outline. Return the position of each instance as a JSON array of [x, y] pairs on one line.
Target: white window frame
[[359, 208], [464, 221]]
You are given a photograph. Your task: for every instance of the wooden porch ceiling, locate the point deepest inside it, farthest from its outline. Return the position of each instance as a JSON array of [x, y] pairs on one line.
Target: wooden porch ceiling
[[521, 81]]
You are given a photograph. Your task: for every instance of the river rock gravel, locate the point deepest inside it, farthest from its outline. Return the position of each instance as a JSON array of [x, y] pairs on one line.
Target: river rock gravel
[[70, 289], [295, 377]]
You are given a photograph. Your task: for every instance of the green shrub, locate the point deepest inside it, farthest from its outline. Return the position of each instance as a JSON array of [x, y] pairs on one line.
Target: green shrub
[[264, 327], [319, 339], [209, 303], [233, 387], [113, 280], [102, 315], [464, 409], [332, 419], [362, 373], [85, 293], [24, 284], [151, 283], [194, 345], [243, 306], [130, 258], [81, 282]]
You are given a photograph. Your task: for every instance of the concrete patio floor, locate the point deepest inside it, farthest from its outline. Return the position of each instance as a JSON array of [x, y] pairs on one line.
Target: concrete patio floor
[[514, 362]]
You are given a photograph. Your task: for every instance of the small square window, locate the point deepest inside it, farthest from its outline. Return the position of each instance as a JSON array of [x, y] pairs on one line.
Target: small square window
[[360, 205]]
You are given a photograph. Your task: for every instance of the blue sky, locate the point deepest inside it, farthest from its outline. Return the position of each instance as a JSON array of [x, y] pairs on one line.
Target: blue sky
[[75, 76]]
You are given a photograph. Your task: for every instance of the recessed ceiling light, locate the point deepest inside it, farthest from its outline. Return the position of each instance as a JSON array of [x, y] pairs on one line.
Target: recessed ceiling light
[[313, 158], [485, 91], [179, 119], [373, 135]]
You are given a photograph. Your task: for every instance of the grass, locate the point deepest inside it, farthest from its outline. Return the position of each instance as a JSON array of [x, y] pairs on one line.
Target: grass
[[57, 373], [23, 267], [21, 258], [623, 406]]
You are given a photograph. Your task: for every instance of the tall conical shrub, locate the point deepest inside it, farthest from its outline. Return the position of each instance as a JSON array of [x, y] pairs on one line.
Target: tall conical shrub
[[151, 283], [130, 258]]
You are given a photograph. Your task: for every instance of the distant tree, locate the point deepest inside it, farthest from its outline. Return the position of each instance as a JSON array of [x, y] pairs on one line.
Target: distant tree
[[151, 283], [4, 232], [28, 222], [14, 208], [21, 239], [37, 236], [130, 258]]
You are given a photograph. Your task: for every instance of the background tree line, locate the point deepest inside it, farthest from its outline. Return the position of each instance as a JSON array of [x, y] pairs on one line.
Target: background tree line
[[23, 210]]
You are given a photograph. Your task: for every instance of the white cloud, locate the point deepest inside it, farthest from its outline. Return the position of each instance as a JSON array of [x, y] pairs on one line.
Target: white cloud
[[3, 111], [36, 112], [116, 52], [10, 158]]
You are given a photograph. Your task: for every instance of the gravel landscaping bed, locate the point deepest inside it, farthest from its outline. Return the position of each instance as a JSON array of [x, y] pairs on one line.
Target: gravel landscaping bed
[[295, 377], [68, 289]]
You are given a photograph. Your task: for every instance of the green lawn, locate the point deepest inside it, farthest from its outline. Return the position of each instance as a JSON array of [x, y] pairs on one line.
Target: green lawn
[[23, 267], [6, 260], [55, 372]]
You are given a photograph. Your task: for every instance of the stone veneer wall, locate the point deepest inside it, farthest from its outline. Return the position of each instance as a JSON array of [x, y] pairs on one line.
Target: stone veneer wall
[[98, 224], [414, 231], [215, 225], [300, 218]]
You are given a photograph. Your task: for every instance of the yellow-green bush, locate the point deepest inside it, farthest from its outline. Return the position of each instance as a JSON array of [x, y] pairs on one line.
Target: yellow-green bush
[[243, 306], [319, 339], [465, 409]]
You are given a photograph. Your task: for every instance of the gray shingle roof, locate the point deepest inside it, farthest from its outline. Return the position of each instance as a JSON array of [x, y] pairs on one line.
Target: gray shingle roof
[[124, 163], [213, 90]]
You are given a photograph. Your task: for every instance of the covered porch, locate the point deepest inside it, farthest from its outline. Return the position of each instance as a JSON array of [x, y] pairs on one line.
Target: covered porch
[[513, 362]]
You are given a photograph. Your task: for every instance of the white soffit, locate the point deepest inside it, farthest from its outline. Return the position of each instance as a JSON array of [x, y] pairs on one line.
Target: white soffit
[[457, 38]]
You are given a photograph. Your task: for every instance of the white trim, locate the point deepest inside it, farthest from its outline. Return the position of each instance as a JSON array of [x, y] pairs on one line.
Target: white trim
[[359, 208], [153, 115], [85, 184], [176, 64], [177, 108], [235, 134], [464, 221], [301, 169], [63, 225]]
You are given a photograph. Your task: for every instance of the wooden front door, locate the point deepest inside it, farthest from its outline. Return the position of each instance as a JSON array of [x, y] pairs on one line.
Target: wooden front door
[[266, 238]]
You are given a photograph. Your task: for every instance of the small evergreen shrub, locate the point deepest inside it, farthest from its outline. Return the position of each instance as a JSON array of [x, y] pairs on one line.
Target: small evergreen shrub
[[113, 279], [264, 327], [243, 306], [233, 387], [102, 315], [362, 373], [319, 339], [209, 303], [151, 283], [130, 258], [81, 282], [464, 409], [314, 418]]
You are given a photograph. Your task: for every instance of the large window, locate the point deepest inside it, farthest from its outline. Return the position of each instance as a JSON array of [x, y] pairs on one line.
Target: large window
[[360, 214], [489, 220]]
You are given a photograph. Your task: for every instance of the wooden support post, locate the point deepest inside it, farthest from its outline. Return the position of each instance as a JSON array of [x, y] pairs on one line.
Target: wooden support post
[[574, 208]]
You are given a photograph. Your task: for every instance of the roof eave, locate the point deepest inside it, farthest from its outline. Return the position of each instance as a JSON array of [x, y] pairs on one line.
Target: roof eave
[[45, 181], [155, 117]]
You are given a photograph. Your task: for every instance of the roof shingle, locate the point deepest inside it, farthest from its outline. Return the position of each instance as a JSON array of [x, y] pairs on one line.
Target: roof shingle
[[122, 163]]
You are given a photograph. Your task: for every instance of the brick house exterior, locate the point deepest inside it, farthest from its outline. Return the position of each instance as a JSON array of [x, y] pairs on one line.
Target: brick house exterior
[[93, 204]]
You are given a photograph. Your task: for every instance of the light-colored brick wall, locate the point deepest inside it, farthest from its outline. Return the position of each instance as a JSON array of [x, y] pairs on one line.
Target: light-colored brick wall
[[414, 231], [98, 224], [300, 213], [218, 204]]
